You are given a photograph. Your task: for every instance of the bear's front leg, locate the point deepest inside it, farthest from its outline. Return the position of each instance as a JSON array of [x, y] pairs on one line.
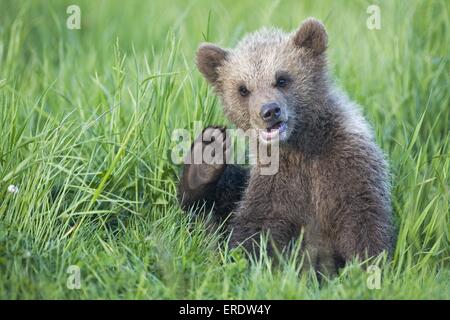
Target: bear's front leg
[[217, 186], [282, 234], [255, 219]]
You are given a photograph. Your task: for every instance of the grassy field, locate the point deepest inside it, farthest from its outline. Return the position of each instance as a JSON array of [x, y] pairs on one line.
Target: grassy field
[[86, 118]]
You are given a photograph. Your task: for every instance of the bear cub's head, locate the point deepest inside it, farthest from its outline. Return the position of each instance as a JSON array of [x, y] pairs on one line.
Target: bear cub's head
[[271, 80]]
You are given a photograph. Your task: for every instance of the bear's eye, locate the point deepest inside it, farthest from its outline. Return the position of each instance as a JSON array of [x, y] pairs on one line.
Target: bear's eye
[[243, 91], [281, 82], [282, 79]]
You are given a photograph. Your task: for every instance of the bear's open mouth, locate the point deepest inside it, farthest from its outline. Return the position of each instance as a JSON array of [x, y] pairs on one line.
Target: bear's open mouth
[[275, 126], [277, 130]]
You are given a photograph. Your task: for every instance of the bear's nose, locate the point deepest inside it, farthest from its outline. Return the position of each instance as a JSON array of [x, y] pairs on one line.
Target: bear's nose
[[270, 112]]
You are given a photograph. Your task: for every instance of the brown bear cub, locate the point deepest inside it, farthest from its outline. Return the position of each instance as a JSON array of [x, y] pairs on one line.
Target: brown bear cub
[[332, 183]]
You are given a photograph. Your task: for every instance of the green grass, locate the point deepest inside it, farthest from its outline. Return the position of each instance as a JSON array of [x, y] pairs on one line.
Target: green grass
[[86, 118]]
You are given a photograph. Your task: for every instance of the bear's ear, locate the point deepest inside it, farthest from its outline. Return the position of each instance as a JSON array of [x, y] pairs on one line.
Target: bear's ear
[[209, 58], [311, 35]]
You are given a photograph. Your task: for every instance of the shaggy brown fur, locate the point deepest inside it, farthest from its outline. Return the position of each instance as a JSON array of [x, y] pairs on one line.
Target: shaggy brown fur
[[332, 182]]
